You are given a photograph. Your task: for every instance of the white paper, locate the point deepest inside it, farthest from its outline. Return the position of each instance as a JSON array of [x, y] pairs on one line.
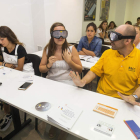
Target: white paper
[[26, 78], [89, 58], [135, 109], [64, 115]]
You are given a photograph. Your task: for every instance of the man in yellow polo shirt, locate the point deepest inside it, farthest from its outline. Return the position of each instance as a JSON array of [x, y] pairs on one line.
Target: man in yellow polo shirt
[[118, 68]]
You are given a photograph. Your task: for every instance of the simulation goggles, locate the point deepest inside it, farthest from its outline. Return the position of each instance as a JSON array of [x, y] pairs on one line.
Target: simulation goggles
[[59, 33], [114, 36]]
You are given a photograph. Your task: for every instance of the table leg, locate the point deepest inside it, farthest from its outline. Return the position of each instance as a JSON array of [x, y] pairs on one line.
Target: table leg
[[17, 124]]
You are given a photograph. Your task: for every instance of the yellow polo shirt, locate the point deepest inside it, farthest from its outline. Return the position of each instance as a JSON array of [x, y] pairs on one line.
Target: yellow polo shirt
[[118, 73]]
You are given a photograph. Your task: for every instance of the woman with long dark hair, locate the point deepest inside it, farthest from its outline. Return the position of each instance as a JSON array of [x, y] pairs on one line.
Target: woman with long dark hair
[[102, 30], [59, 57], [14, 56], [112, 26]]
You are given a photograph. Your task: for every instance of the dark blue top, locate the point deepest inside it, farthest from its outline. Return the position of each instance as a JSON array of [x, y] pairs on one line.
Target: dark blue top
[[95, 45]]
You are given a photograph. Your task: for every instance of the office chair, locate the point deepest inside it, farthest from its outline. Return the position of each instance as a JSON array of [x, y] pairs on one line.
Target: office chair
[[36, 62], [75, 44], [104, 48]]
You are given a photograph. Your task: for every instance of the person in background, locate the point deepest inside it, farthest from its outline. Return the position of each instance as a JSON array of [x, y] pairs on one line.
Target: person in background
[[102, 30], [58, 59], [90, 44], [138, 22], [137, 38], [111, 27], [15, 57], [119, 75], [128, 22]]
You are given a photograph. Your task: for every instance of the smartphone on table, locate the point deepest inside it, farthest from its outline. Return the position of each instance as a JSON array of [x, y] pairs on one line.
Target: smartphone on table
[[25, 86]]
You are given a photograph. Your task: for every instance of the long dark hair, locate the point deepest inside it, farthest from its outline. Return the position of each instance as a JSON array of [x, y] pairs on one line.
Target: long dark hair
[[100, 26], [51, 46], [113, 23], [6, 32]]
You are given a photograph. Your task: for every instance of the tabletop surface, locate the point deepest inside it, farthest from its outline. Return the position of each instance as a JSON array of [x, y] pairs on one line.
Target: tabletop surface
[[55, 92]]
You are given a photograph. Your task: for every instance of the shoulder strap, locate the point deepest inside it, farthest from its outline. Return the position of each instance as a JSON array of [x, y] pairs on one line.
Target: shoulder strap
[[16, 50], [2, 49]]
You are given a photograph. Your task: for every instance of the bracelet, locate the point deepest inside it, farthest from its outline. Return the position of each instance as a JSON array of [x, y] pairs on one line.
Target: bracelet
[[47, 66]]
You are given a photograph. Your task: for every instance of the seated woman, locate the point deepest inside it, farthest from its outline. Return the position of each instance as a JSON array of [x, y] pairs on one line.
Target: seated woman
[[137, 38], [90, 44], [14, 56], [58, 59], [102, 30], [111, 27], [128, 22]]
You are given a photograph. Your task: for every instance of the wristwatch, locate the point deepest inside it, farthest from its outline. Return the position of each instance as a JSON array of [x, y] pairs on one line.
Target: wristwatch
[[135, 96]]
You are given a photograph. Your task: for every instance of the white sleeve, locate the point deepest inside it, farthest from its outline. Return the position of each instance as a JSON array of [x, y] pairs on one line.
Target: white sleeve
[[99, 31]]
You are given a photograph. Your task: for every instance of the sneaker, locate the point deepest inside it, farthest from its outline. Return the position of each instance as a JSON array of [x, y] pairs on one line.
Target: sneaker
[[2, 120], [6, 123]]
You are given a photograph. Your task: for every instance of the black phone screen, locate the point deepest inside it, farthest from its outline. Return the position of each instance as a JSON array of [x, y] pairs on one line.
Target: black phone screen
[[25, 85]]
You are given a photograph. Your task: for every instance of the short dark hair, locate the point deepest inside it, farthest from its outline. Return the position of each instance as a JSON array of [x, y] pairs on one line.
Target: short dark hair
[[93, 25], [138, 18], [128, 22]]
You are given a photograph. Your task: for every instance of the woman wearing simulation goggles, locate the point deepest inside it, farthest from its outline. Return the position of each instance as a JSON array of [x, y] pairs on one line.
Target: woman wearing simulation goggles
[[58, 59]]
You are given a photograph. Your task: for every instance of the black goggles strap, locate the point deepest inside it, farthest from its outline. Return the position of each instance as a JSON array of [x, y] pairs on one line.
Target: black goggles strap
[[128, 37]]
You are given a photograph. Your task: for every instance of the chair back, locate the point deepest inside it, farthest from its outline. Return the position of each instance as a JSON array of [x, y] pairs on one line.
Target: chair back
[[35, 59], [104, 48]]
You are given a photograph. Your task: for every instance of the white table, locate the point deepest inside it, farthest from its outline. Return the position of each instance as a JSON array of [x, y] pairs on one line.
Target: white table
[[55, 92]]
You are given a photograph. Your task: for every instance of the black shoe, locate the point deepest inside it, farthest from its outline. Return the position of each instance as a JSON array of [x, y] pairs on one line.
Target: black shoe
[[6, 122]]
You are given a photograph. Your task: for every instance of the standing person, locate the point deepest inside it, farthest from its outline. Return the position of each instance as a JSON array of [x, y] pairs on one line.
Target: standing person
[[102, 30], [14, 56], [118, 68], [111, 27], [90, 44], [58, 59], [138, 22], [137, 38]]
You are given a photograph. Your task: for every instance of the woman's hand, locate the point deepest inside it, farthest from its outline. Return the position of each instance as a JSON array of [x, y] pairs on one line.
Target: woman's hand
[[52, 59], [76, 79], [67, 56], [10, 66]]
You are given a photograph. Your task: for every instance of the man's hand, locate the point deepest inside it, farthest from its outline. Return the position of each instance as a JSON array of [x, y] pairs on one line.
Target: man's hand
[[76, 79], [130, 99]]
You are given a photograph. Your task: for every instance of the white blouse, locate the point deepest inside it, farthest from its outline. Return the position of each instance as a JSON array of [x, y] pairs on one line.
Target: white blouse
[[60, 71]]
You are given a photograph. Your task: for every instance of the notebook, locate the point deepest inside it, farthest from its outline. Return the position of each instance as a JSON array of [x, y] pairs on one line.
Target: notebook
[[134, 128], [64, 115]]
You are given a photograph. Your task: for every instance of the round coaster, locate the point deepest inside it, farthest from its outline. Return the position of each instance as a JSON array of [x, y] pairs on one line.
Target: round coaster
[[43, 106]]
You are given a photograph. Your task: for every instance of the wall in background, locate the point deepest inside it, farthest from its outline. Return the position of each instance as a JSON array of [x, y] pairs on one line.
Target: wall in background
[[31, 19], [69, 12], [17, 15], [38, 23], [120, 12], [135, 10]]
